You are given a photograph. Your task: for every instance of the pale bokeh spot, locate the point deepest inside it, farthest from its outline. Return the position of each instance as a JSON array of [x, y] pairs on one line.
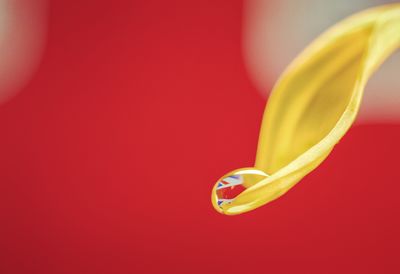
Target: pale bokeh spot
[[22, 38]]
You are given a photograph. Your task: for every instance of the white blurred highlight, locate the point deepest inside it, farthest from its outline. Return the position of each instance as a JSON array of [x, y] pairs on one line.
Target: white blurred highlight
[[276, 31], [22, 36]]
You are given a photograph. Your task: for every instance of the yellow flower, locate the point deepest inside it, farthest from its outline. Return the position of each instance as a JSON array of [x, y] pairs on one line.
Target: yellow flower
[[312, 106]]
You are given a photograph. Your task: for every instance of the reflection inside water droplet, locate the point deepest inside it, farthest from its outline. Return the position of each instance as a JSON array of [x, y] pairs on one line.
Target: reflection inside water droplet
[[234, 183]]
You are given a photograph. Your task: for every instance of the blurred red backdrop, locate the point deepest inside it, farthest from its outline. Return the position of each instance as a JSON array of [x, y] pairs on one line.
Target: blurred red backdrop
[[109, 154]]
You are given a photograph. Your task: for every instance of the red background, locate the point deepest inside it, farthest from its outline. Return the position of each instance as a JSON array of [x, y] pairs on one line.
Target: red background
[[108, 156]]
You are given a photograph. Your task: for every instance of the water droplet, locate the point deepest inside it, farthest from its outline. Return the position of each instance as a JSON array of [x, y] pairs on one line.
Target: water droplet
[[234, 183]]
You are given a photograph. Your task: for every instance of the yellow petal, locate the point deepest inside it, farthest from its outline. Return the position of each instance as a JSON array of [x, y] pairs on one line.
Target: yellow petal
[[315, 102]]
